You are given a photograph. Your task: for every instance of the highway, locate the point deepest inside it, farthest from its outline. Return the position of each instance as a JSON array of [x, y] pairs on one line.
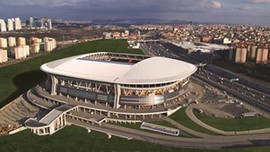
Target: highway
[[248, 95], [237, 90]]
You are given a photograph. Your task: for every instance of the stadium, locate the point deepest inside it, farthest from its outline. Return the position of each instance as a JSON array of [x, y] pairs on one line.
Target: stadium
[[108, 87]]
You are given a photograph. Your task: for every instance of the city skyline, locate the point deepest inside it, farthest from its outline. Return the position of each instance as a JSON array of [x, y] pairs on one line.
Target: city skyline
[[220, 11], [153, 75]]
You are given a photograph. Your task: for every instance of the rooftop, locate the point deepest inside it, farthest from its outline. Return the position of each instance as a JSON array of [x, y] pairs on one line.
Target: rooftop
[[152, 70]]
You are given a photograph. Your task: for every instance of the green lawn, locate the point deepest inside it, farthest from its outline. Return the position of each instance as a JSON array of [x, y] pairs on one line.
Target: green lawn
[[181, 117], [73, 139], [76, 139], [18, 78], [237, 124]]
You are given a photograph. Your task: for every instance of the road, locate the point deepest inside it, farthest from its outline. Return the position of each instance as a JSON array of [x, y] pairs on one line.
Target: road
[[212, 142], [257, 99]]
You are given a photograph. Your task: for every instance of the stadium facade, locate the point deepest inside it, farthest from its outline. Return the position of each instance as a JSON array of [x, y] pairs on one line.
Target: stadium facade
[[101, 87]]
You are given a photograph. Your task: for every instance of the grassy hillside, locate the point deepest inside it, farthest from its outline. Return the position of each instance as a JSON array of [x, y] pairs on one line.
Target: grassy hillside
[[76, 139], [18, 78]]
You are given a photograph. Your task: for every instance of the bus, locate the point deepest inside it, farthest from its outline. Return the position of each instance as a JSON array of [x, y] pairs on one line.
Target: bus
[[234, 80]]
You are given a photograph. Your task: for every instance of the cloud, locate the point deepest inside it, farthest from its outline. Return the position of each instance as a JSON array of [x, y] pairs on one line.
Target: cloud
[[208, 4], [259, 1], [216, 4], [51, 3], [196, 10]]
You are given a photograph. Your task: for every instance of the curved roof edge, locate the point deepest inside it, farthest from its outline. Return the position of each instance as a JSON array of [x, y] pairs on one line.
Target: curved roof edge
[[154, 70]]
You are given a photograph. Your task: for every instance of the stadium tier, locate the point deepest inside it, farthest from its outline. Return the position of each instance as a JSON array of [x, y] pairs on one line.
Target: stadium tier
[[101, 87], [118, 79]]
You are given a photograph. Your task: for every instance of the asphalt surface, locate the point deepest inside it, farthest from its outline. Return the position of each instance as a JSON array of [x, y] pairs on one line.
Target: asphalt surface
[[210, 142], [257, 99]]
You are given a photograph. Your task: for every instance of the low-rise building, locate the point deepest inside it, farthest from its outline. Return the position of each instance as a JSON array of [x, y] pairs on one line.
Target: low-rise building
[[116, 35], [21, 52], [35, 48], [18, 24], [227, 41], [49, 44], [3, 26], [206, 39], [3, 42], [21, 41], [107, 35], [11, 24], [3, 56], [11, 41], [262, 55], [35, 40]]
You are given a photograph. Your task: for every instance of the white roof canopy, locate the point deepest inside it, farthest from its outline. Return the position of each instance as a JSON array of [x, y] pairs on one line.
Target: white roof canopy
[[153, 70]]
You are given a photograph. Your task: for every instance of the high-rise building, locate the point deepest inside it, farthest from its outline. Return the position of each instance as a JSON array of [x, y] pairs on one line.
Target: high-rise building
[[231, 53], [11, 41], [49, 21], [21, 41], [18, 24], [262, 55], [138, 33], [35, 40], [49, 44], [31, 22], [238, 55], [45, 23], [42, 24], [35, 47], [3, 42], [3, 56], [35, 44], [3, 26], [35, 21], [253, 52], [21, 52], [127, 32], [241, 55], [249, 51], [10, 24]]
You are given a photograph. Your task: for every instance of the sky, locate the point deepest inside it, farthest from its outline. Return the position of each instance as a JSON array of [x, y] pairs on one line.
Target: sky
[[221, 11]]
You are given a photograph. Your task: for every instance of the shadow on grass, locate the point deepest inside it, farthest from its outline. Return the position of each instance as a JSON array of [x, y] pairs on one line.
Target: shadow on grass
[[24, 82]]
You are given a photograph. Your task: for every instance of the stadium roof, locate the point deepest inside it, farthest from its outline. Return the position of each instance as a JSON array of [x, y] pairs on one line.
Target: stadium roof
[[154, 70]]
